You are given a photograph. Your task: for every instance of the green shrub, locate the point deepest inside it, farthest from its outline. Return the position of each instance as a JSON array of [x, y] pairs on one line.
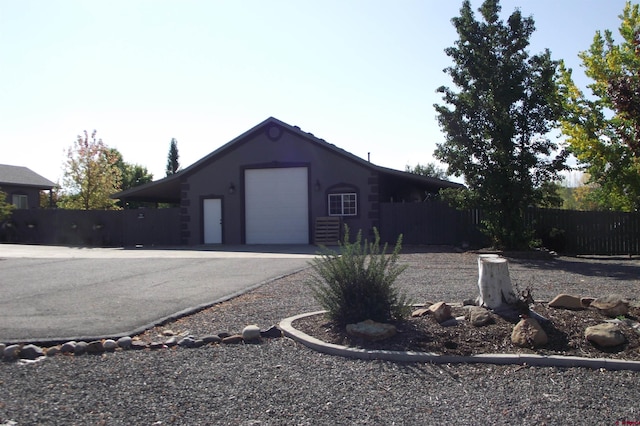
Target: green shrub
[[357, 283]]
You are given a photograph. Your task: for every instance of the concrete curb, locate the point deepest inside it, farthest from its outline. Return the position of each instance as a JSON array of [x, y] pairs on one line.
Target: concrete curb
[[286, 325]]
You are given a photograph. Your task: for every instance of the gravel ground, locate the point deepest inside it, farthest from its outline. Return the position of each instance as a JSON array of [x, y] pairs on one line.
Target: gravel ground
[[282, 382]]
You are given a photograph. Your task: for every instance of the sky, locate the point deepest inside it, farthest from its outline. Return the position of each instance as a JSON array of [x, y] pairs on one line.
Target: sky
[[359, 74]]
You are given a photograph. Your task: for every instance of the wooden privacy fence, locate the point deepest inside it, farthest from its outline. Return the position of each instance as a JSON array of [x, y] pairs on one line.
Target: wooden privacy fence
[[565, 231], [115, 228]]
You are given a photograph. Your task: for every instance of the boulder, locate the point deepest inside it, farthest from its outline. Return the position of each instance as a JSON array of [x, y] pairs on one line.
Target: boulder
[[605, 335], [371, 330], [440, 311], [479, 316], [529, 333], [611, 305], [566, 301], [251, 333], [420, 312]]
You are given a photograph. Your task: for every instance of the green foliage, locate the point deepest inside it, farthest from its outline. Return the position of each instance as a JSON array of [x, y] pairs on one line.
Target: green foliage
[[5, 207], [429, 170], [90, 175], [603, 129], [132, 175], [173, 164], [358, 283], [497, 121]]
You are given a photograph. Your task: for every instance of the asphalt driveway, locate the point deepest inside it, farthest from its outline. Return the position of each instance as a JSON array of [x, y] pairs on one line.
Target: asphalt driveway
[[51, 294]]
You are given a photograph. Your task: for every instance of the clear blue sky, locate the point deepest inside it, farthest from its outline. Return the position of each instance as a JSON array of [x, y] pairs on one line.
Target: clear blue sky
[[359, 74]]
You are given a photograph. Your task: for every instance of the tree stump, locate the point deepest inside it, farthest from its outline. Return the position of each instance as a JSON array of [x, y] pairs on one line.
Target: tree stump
[[494, 282]]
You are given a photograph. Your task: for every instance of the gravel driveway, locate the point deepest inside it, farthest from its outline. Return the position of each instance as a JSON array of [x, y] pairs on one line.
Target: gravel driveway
[[281, 382]]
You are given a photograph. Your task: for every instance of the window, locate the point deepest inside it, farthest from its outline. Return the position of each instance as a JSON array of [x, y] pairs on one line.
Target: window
[[20, 201], [343, 204]]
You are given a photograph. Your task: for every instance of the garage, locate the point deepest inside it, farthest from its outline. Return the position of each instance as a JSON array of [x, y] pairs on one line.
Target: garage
[[277, 206]]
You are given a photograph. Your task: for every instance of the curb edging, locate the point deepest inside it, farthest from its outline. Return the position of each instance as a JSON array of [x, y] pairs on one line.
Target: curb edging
[[286, 325]]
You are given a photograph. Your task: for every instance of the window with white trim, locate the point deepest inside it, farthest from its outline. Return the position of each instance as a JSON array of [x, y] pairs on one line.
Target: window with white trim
[[20, 201], [343, 204]]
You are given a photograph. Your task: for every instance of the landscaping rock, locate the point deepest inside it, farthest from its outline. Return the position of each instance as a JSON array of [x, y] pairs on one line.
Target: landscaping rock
[[31, 352], [171, 341], [52, 351], [95, 347], [68, 347], [11, 352], [187, 342], [251, 333], [211, 339], [420, 312], [80, 348], [109, 345], [529, 333], [440, 311], [271, 332], [138, 345], [612, 305], [371, 330], [233, 339], [605, 335], [125, 342], [479, 316], [586, 301], [566, 301]]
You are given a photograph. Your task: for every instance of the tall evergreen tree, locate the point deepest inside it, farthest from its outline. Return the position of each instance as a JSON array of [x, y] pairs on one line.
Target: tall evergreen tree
[[496, 122], [173, 165]]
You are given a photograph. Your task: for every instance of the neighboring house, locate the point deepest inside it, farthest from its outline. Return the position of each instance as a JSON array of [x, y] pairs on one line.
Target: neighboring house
[[23, 186], [274, 184]]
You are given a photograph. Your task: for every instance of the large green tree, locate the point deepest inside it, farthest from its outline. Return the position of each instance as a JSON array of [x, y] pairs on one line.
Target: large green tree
[[173, 165], [497, 119], [90, 175], [132, 175], [603, 129]]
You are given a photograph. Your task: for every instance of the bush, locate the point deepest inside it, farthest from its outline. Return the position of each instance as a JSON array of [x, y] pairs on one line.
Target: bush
[[357, 283]]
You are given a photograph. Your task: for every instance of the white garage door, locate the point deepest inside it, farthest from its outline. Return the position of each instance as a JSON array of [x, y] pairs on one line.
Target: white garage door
[[277, 206]]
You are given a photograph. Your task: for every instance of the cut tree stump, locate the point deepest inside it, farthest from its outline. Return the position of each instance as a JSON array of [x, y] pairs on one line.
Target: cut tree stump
[[494, 282]]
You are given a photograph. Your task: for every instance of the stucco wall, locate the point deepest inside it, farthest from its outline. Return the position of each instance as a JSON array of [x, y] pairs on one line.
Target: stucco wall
[[266, 148]]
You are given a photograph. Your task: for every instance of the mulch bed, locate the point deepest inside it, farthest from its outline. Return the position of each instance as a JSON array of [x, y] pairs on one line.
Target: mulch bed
[[423, 334]]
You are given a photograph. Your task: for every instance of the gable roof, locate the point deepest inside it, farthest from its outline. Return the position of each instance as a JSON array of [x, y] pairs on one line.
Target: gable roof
[[168, 189], [22, 176]]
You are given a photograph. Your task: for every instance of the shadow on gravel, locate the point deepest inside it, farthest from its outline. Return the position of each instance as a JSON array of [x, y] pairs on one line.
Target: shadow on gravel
[[611, 267]]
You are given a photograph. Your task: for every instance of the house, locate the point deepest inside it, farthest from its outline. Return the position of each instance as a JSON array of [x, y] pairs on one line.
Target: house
[[276, 184], [23, 186]]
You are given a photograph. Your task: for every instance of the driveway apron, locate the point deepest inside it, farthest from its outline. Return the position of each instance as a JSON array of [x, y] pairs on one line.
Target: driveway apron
[[52, 294]]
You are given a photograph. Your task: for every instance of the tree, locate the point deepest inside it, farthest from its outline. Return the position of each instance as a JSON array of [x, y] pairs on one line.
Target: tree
[[429, 170], [132, 175], [172, 159], [603, 130], [90, 175], [496, 123], [5, 207]]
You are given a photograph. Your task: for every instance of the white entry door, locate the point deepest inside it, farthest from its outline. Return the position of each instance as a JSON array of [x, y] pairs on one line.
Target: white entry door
[[212, 211], [277, 206]]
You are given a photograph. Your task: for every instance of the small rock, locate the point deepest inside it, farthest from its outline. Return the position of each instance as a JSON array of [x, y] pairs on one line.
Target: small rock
[[586, 301], [186, 342], [52, 351], [223, 334], [440, 311], [371, 330], [233, 339], [171, 341], [11, 352], [157, 345], [211, 339], [68, 347], [168, 333], [95, 347], [420, 312], [251, 333], [125, 342], [528, 333], [566, 301], [612, 305], [138, 345], [80, 348], [31, 352], [605, 335], [271, 332], [479, 316], [110, 345], [198, 343]]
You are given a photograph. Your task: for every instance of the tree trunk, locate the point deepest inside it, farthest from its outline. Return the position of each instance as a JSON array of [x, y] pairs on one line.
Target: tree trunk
[[494, 282]]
